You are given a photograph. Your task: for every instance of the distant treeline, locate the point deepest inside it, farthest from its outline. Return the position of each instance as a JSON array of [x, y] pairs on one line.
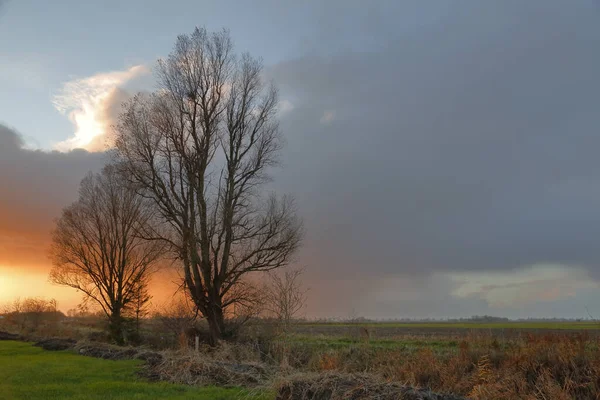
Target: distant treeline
[[474, 318]]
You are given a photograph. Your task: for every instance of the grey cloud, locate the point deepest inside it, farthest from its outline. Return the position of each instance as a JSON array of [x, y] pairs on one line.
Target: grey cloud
[[468, 144], [382, 296]]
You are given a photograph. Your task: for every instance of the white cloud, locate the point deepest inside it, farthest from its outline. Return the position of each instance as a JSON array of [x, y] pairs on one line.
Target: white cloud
[[540, 282], [84, 100]]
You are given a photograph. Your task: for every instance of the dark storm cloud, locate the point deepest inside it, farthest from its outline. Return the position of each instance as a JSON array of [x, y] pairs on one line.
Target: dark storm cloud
[[35, 186], [469, 143]]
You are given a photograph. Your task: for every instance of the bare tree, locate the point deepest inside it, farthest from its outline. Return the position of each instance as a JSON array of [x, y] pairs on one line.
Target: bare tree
[[31, 312], [200, 148], [96, 249], [139, 306], [284, 296]]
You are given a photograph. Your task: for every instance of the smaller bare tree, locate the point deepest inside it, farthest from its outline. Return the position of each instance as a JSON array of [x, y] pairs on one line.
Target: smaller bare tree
[[96, 248], [30, 312], [285, 296], [139, 306]]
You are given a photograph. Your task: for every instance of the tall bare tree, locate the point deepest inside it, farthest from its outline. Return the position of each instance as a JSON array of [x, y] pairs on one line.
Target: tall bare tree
[[200, 148], [96, 248]]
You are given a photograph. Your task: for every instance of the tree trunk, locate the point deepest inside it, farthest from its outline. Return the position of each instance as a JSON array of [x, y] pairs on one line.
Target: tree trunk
[[116, 327], [216, 325]]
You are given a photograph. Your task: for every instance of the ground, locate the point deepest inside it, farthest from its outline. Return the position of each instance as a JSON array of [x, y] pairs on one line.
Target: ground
[[510, 360], [28, 372]]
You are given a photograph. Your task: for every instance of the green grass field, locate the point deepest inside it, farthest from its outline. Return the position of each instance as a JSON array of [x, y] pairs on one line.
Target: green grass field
[[28, 372]]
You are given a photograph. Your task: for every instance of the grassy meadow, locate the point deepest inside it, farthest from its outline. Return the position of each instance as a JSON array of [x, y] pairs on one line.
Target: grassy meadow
[[30, 373]]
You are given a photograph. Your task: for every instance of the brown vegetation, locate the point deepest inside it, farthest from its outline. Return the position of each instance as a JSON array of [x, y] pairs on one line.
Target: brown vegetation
[[483, 367], [478, 366], [331, 386], [193, 368]]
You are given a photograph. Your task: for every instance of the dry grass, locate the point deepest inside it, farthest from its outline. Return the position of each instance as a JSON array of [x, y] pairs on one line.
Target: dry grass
[[336, 386], [552, 366], [535, 367], [193, 368]]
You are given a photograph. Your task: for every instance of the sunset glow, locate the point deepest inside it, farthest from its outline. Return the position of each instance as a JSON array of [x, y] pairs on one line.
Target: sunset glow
[[18, 283]]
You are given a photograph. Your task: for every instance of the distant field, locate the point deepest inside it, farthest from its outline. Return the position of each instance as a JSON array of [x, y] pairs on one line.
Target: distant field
[[332, 342], [467, 325], [380, 331], [28, 372]]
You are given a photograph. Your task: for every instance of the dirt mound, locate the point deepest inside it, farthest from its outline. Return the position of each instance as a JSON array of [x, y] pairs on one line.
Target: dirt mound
[[106, 351], [332, 386], [110, 352], [56, 344], [193, 369], [151, 357], [9, 336]]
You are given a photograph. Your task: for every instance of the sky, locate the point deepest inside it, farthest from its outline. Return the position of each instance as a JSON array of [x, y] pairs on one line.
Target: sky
[[443, 155]]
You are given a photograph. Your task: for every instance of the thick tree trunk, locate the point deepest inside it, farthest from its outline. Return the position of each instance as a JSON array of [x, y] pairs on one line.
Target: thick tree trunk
[[216, 325], [215, 334], [116, 327]]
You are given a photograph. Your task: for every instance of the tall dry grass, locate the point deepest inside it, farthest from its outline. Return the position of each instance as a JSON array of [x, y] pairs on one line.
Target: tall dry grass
[[533, 367]]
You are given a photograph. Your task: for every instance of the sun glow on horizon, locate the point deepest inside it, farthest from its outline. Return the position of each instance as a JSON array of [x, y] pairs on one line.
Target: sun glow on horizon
[[21, 283]]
